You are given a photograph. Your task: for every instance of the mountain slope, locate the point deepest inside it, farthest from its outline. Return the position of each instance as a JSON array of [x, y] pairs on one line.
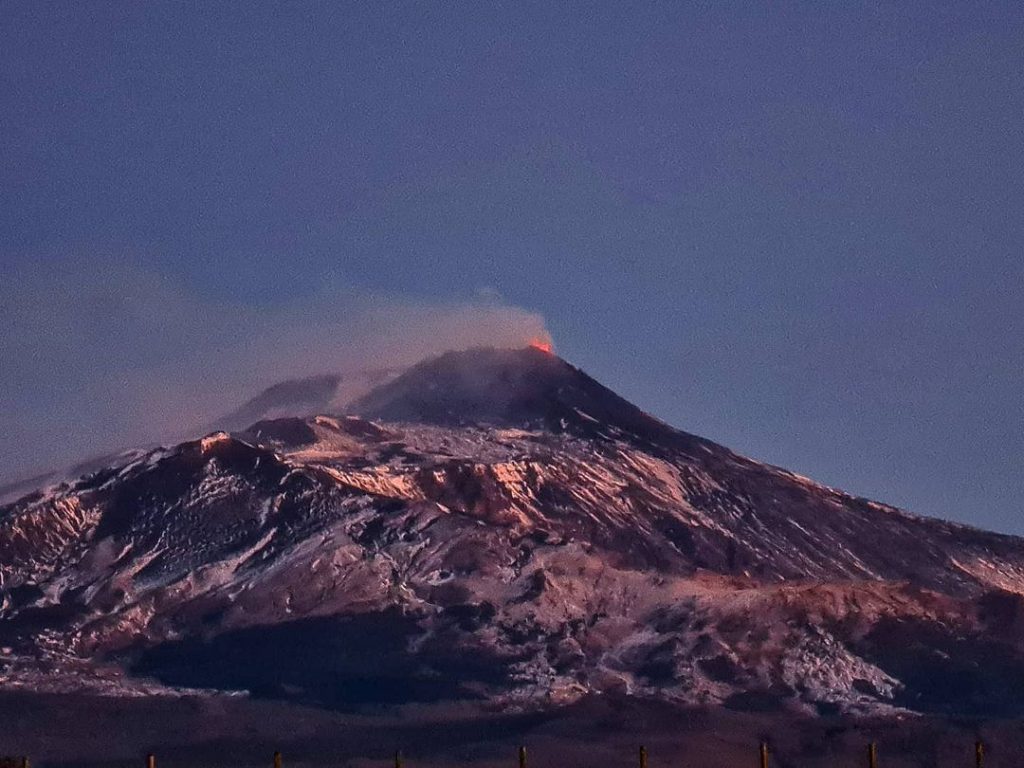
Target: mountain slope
[[496, 525], [325, 393]]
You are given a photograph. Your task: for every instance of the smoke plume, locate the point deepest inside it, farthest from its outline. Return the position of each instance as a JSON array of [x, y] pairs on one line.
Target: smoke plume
[[116, 357]]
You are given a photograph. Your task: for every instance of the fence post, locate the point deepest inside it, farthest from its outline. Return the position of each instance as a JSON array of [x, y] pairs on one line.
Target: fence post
[[979, 754], [522, 757], [764, 754], [398, 759], [150, 760], [872, 755], [643, 757]]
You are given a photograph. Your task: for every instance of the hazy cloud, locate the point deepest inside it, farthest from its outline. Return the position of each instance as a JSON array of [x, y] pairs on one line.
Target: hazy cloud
[[115, 356]]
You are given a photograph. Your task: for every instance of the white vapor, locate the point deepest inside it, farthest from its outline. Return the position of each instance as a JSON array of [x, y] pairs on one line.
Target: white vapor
[[112, 357]]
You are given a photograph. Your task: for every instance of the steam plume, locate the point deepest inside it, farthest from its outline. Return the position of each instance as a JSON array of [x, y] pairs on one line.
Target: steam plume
[[120, 356]]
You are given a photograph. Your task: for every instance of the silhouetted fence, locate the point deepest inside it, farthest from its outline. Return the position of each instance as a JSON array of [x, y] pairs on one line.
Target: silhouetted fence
[[763, 755]]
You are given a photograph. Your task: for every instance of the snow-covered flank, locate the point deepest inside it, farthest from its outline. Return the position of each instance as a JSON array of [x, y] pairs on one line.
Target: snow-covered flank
[[556, 544]]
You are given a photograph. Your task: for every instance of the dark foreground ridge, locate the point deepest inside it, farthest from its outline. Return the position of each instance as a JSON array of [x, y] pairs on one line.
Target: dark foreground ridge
[[242, 732]]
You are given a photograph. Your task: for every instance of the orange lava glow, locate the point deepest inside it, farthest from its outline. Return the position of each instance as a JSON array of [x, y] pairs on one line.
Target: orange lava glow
[[543, 345]]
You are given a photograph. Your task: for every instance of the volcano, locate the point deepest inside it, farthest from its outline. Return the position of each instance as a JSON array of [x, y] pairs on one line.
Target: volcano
[[495, 526]]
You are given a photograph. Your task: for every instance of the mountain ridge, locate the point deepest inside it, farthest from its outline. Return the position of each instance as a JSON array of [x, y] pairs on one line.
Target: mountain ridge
[[547, 542]]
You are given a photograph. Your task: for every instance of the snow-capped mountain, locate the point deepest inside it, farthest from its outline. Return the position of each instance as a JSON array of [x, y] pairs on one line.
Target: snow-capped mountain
[[496, 525]]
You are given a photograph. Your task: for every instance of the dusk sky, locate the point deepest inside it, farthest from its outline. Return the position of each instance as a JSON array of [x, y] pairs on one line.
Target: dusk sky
[[794, 229]]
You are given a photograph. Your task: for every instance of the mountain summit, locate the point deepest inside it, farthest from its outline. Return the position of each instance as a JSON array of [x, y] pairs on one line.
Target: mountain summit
[[527, 387], [495, 525]]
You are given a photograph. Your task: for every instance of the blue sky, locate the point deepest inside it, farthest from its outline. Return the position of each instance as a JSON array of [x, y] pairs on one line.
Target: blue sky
[[792, 228]]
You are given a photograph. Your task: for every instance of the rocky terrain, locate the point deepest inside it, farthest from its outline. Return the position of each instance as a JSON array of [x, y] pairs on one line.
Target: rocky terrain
[[494, 526]]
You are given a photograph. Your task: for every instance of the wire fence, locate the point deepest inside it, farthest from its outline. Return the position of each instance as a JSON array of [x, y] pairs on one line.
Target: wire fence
[[764, 756]]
